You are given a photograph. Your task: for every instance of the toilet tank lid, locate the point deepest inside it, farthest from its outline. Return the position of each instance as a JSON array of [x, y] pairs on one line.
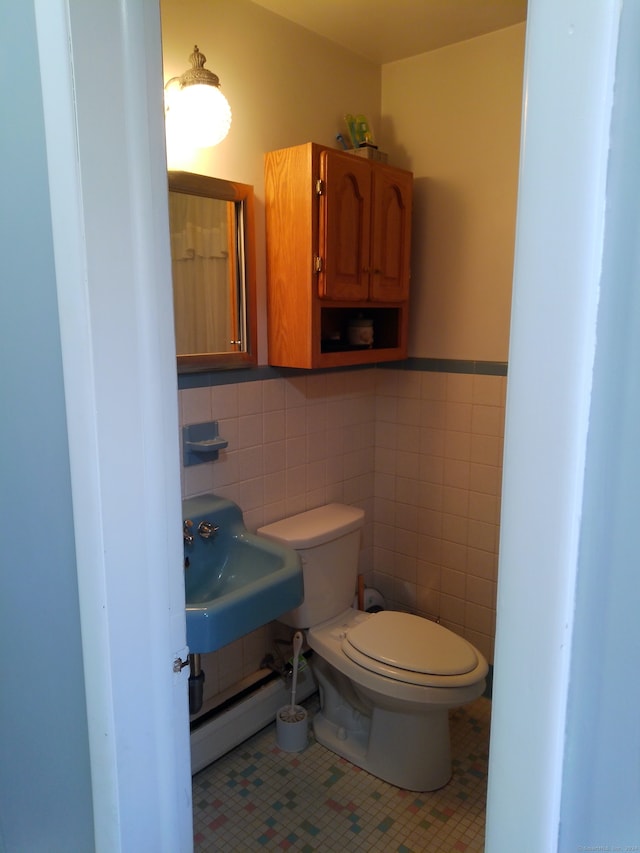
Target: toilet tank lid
[[316, 526]]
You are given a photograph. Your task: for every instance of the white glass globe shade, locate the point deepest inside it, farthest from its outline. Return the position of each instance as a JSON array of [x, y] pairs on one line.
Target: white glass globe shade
[[203, 114]]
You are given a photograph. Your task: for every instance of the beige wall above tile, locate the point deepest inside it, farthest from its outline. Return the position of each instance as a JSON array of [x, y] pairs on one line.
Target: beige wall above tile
[[454, 118]]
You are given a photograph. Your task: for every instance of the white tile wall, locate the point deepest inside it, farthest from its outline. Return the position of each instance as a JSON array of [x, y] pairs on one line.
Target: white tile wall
[[439, 440], [420, 452], [293, 444]]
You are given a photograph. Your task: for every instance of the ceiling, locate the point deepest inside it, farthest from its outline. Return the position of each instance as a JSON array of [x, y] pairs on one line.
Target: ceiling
[[385, 30]]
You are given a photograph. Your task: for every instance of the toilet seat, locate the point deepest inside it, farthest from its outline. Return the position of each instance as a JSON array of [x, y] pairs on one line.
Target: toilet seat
[[410, 649]]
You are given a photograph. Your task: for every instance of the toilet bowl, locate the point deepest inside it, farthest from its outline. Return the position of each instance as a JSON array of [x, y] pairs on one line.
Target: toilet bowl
[[387, 680]]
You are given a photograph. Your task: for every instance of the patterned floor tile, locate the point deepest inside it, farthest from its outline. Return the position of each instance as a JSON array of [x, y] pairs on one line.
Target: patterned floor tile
[[260, 798]]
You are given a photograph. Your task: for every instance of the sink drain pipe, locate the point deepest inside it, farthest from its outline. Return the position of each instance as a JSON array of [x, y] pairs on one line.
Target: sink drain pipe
[[196, 684]]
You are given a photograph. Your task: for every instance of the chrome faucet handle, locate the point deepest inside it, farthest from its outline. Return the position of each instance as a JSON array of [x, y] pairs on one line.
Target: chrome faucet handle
[[187, 535], [207, 529]]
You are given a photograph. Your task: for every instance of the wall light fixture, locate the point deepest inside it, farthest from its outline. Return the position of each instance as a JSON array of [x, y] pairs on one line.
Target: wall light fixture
[[195, 105]]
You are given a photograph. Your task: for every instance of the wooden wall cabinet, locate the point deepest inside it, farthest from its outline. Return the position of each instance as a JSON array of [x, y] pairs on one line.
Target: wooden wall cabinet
[[338, 233]]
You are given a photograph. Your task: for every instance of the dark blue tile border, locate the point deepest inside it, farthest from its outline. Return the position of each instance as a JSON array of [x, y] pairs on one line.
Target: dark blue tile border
[[225, 377], [255, 374], [449, 365]]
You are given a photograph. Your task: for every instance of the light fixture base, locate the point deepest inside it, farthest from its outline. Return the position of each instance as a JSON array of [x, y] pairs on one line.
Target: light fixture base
[[198, 74]]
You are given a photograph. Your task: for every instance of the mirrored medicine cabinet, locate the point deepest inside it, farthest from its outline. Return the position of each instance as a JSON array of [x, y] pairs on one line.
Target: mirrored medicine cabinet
[[212, 233]]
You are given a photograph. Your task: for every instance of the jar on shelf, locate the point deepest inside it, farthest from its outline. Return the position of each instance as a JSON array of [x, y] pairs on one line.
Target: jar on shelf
[[361, 331]]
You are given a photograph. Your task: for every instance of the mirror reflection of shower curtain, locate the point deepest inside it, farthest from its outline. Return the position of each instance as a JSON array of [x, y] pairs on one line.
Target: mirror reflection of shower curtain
[[201, 304], [203, 274]]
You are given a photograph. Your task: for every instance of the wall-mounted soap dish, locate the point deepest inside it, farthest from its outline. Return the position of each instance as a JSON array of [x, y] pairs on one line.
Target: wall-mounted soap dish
[[201, 443]]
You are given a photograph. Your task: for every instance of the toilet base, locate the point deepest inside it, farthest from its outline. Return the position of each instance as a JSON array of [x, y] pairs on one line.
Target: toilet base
[[409, 750], [402, 763]]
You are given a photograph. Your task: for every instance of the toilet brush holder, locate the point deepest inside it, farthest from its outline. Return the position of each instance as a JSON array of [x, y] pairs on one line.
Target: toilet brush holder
[[292, 728]]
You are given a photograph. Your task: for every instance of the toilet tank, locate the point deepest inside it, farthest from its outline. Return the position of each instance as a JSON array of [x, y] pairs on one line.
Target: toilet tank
[[328, 541]]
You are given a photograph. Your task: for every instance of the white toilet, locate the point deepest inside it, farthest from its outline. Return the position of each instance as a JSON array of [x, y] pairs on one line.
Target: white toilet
[[387, 679]]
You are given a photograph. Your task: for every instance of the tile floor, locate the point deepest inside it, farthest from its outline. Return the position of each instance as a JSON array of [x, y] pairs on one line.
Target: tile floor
[[260, 798]]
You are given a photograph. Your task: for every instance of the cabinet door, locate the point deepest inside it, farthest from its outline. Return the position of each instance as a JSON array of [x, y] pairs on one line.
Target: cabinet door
[[390, 235], [344, 227]]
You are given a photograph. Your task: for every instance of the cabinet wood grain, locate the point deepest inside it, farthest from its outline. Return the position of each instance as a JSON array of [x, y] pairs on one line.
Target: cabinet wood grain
[[338, 234]]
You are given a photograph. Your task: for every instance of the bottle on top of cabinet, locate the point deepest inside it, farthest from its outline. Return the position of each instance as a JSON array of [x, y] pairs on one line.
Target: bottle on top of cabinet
[[338, 247]]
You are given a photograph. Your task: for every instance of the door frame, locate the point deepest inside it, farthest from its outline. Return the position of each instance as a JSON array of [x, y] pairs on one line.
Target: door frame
[[108, 189]]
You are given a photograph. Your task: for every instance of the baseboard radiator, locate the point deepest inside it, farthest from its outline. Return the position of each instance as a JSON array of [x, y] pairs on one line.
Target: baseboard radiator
[[222, 730]]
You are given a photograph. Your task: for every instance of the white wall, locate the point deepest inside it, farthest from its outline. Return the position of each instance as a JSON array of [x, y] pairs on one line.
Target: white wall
[[107, 185], [556, 531], [601, 785], [452, 116], [285, 86], [43, 717]]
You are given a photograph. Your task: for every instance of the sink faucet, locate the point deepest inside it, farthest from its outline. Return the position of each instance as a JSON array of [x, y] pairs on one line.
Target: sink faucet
[[187, 535], [207, 529]]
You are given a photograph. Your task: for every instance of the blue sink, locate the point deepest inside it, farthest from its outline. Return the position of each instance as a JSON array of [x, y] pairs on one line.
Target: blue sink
[[235, 581]]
